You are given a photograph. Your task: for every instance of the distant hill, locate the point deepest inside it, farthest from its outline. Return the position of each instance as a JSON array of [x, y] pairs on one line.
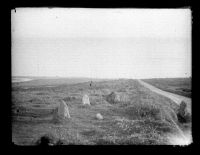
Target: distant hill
[[40, 81], [180, 86]]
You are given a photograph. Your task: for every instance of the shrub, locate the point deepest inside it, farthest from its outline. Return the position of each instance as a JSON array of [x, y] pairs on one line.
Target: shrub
[[46, 140], [150, 111], [184, 119]]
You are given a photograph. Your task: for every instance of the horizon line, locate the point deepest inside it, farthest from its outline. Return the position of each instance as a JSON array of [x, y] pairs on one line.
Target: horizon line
[[96, 77]]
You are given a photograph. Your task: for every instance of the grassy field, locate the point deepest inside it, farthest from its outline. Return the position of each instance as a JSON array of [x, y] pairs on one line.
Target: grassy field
[[180, 86], [140, 118]]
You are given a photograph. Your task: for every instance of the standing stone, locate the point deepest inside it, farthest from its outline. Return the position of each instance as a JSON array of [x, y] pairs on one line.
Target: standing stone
[[182, 109], [86, 100], [63, 110], [183, 115], [113, 98]]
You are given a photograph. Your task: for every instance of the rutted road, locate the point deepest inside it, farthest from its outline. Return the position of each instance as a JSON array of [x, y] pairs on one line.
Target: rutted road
[[176, 98]]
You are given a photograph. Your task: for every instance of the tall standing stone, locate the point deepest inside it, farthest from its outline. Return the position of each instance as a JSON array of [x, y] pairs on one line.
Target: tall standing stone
[[63, 111], [86, 100]]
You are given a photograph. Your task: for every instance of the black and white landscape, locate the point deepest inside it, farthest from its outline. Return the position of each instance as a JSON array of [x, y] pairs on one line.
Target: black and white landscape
[[101, 76]]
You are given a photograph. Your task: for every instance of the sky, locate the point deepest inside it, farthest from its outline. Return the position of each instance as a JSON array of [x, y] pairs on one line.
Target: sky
[[101, 43]]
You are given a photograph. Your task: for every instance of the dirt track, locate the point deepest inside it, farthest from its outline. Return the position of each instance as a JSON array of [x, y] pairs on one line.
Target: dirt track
[[176, 98]]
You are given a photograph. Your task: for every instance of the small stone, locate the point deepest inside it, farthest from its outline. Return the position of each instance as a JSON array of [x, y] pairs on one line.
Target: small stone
[[99, 116]]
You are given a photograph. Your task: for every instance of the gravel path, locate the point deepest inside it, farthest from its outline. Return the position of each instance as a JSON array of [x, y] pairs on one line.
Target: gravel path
[[176, 98]]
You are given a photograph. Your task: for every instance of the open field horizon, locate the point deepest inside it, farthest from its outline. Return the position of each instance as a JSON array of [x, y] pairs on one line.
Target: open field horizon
[[97, 78], [177, 85], [141, 117]]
